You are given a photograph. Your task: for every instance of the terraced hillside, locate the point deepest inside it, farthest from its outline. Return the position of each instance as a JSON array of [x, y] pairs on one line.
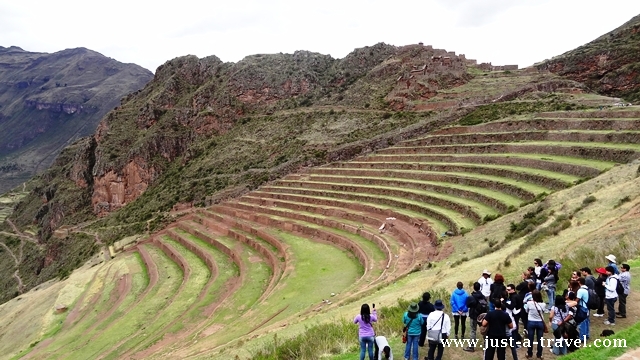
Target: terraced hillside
[[319, 239]]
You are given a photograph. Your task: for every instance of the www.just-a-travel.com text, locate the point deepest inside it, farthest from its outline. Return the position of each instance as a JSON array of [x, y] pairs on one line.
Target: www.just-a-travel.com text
[[580, 342]]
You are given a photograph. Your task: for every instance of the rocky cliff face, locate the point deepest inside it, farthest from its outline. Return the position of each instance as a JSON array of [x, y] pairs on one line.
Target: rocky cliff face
[[609, 65], [49, 100]]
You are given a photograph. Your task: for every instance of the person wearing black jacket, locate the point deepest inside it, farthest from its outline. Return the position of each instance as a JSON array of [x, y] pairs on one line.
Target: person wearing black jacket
[[424, 308], [600, 290], [472, 304]]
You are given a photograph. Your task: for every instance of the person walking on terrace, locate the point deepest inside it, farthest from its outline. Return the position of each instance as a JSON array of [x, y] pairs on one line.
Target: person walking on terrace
[[413, 321], [459, 308], [366, 334]]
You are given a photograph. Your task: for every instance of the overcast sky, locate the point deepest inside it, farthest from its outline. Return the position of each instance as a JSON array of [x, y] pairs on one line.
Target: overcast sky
[[149, 33]]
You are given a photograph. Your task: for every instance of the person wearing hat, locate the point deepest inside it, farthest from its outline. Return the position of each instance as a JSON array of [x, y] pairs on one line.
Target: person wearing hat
[[611, 295], [599, 289], [613, 263], [485, 283], [625, 280], [440, 322], [413, 321]]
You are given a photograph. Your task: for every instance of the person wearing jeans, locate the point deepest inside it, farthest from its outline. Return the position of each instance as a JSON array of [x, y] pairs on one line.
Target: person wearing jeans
[[535, 323], [413, 321], [582, 295], [625, 280], [611, 296], [365, 321]]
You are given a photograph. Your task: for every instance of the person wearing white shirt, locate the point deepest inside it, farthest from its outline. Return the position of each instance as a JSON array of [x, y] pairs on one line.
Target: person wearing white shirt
[[610, 295], [383, 350], [438, 321], [485, 283]]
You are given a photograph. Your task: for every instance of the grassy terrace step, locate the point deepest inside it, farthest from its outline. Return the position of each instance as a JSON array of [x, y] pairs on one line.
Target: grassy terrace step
[[618, 137], [377, 247], [561, 164], [100, 310], [469, 208], [491, 198], [197, 275], [349, 219], [169, 281], [599, 151], [319, 269], [515, 188], [545, 179], [308, 230], [370, 254], [210, 219], [220, 286], [269, 256], [454, 220], [602, 114], [537, 124]]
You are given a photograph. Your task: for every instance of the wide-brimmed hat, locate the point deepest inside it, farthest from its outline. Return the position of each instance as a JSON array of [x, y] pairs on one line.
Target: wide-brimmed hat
[[413, 307], [485, 271], [611, 258], [601, 271], [438, 305]]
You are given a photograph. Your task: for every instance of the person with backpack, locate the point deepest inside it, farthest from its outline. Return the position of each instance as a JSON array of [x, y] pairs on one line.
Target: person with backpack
[[477, 304], [625, 280], [558, 316], [497, 289], [437, 322], [459, 308], [365, 321], [584, 300], [413, 321], [611, 294]]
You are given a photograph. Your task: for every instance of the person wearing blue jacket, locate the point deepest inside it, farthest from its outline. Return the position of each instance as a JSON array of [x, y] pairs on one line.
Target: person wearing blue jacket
[[459, 308]]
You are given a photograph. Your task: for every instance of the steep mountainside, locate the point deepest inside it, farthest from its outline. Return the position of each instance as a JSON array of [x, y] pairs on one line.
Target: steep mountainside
[[49, 100], [202, 126], [609, 65]]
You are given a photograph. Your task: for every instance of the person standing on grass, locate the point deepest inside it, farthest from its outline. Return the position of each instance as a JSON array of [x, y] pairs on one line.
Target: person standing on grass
[[477, 304], [600, 290], [612, 262], [535, 323], [497, 289], [583, 298], [459, 308], [625, 280], [537, 268], [611, 295], [590, 281], [365, 321], [550, 282], [485, 283], [424, 308], [437, 321], [498, 324], [413, 321], [558, 315]]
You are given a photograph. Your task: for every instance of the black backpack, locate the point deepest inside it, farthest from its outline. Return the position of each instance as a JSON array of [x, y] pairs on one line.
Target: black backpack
[[482, 306], [619, 286], [594, 300]]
